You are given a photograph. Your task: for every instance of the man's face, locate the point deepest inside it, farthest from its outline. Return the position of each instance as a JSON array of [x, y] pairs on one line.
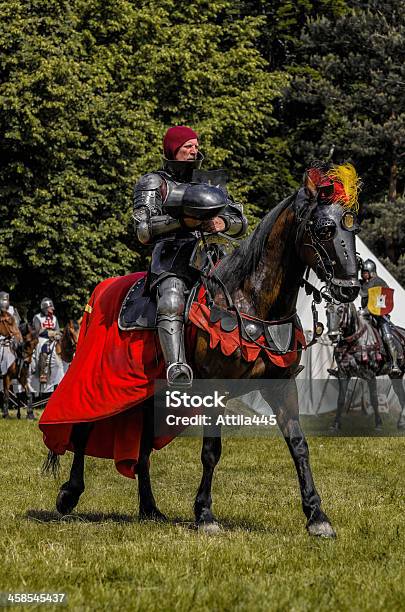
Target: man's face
[[365, 275], [188, 151]]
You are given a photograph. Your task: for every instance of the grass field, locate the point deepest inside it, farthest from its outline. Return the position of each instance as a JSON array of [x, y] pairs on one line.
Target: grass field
[[262, 560]]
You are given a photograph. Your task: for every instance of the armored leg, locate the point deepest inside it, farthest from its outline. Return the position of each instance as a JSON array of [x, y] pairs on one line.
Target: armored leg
[[170, 324], [391, 347]]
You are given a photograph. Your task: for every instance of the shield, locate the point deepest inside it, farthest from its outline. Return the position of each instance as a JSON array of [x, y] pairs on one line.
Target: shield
[[380, 300]]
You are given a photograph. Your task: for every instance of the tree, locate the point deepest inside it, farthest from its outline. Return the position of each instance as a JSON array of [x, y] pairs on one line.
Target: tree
[[87, 91], [345, 100]]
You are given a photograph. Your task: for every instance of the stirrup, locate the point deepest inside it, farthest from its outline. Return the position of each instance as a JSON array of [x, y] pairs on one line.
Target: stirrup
[[184, 378]]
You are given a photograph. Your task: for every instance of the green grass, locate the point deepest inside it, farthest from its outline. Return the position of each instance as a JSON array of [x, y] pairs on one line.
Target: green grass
[[262, 560]]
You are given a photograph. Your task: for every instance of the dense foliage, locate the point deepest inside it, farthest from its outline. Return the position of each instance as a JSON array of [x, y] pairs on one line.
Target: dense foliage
[[88, 89]]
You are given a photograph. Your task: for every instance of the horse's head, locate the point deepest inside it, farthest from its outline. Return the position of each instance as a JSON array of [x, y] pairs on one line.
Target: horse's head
[[327, 225], [29, 343], [70, 337], [334, 314], [341, 321]]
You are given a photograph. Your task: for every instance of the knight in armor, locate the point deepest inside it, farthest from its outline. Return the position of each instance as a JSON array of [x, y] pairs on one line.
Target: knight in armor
[[10, 335], [369, 279], [162, 203], [47, 328], [12, 310]]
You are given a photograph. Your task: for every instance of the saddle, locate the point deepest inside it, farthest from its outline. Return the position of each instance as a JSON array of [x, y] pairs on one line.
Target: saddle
[[138, 312]]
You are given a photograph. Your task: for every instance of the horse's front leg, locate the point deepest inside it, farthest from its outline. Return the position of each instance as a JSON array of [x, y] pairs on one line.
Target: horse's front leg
[[398, 386], [6, 397], [283, 398], [343, 385], [30, 411], [70, 491], [372, 387], [210, 455], [147, 505]]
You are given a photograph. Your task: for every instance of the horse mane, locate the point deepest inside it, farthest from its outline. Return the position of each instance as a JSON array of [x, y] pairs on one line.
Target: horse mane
[[24, 328], [236, 267], [75, 324]]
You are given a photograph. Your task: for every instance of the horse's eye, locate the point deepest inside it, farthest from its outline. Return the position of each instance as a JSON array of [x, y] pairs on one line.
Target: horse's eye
[[324, 229], [348, 220]]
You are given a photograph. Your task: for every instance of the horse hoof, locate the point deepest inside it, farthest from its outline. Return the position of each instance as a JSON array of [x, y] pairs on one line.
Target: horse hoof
[[66, 501], [31, 416], [321, 529], [335, 427], [6, 415], [153, 515], [401, 424], [379, 427], [210, 529]]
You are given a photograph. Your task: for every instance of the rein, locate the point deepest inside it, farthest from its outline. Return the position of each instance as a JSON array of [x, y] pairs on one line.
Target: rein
[[232, 306]]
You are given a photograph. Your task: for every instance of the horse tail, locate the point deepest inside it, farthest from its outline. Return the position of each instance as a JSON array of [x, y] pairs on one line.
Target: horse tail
[[51, 464]]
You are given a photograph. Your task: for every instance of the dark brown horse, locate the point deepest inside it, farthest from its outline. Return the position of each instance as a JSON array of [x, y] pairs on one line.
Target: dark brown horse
[[19, 371], [69, 339], [360, 353], [262, 277]]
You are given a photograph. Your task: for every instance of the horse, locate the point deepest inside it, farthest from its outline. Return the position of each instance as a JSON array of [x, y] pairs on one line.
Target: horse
[[262, 278], [19, 370], [68, 341], [359, 352]]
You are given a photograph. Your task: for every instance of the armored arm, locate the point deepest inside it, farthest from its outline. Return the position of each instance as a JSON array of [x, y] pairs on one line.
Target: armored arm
[[36, 324], [150, 222], [235, 221]]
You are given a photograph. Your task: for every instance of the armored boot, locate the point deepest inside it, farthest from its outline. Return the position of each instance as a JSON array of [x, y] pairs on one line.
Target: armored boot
[[170, 324], [392, 349]]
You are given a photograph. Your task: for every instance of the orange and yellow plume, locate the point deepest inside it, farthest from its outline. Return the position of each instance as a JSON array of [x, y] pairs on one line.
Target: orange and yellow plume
[[346, 175]]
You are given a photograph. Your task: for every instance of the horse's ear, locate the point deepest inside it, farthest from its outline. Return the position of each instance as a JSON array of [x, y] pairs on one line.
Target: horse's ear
[[309, 186]]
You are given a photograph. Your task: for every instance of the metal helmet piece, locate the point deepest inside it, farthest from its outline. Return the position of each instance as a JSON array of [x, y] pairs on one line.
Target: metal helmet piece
[[45, 304], [369, 266], [4, 300]]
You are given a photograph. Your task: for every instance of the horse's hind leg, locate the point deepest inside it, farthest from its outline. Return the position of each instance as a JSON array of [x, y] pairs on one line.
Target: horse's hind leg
[[30, 411], [397, 384], [283, 398], [71, 490], [372, 387], [147, 505], [210, 455]]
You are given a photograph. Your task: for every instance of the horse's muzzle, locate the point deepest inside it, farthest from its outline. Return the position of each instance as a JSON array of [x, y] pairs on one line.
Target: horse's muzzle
[[334, 337]]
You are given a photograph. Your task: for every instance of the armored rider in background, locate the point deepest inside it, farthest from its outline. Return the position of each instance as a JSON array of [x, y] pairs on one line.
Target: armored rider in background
[[10, 335], [369, 279], [47, 327], [156, 196], [12, 310]]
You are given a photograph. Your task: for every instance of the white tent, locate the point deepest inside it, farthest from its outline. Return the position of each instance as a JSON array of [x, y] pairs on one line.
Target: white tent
[[318, 358]]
